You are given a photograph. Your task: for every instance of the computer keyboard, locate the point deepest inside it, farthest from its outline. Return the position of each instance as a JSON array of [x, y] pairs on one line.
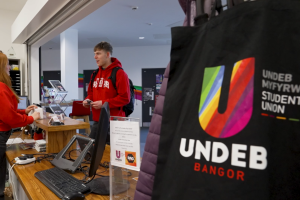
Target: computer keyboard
[[60, 182]]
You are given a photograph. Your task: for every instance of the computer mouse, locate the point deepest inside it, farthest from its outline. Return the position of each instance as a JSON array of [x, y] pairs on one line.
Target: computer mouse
[[74, 196]]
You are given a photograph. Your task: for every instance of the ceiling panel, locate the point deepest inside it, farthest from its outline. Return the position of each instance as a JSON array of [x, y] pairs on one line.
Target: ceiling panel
[[117, 22], [13, 5]]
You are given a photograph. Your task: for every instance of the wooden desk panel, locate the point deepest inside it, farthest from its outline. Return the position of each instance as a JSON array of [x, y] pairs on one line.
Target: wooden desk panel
[[55, 142], [58, 137]]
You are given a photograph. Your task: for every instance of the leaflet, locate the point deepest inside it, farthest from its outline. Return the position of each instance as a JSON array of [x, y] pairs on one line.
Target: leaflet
[[125, 144]]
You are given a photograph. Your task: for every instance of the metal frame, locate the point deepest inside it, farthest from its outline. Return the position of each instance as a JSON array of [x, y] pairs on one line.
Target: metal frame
[[65, 164]]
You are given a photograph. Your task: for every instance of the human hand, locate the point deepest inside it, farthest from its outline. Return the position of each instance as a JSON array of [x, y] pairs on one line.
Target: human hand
[[30, 108], [97, 104], [36, 115], [85, 104]]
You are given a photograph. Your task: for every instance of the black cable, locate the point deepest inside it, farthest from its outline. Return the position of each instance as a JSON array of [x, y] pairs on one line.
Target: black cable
[[84, 172], [46, 156], [81, 168], [70, 153], [129, 173], [89, 180], [105, 164], [102, 172]]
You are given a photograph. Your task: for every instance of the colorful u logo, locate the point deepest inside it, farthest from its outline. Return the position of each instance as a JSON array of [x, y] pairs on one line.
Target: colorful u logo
[[240, 99], [118, 154]]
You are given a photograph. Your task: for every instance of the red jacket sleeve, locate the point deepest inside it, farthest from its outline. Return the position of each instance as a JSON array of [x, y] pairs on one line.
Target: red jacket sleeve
[[123, 96], [90, 90], [9, 115], [21, 112]]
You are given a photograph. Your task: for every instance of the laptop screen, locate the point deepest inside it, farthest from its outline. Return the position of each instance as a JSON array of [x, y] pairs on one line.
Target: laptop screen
[[23, 104]]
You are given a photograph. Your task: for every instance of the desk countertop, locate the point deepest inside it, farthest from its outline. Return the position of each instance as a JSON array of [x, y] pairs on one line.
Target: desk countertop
[[70, 124], [35, 190]]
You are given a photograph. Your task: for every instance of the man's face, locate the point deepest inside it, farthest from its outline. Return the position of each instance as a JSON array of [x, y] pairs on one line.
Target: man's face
[[101, 57]]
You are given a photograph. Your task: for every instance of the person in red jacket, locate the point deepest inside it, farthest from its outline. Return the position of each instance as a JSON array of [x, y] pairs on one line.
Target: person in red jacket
[[10, 116], [102, 89]]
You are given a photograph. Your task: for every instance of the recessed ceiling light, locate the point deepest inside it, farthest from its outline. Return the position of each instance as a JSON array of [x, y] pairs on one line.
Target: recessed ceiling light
[[141, 38], [50, 48]]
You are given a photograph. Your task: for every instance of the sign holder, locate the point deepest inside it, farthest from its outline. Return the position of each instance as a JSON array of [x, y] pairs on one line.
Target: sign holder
[[59, 99], [124, 157]]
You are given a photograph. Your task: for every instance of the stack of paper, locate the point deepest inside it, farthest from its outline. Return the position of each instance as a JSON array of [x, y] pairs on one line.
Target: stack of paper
[[29, 140], [25, 146], [14, 141], [40, 145]]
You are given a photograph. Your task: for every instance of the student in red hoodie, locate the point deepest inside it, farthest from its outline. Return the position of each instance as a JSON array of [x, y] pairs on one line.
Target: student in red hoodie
[[102, 89], [10, 116]]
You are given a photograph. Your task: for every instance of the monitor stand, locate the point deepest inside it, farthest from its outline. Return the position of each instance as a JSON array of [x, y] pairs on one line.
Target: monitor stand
[[59, 160], [101, 185]]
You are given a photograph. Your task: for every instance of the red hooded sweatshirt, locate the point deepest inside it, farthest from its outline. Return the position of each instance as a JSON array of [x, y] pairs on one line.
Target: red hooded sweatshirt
[[104, 90], [10, 116]]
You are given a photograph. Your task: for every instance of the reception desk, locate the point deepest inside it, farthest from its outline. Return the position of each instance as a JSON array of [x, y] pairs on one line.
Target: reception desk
[[28, 187], [32, 187]]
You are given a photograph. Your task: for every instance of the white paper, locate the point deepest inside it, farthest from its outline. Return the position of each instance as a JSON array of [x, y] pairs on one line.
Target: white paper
[[125, 144], [14, 141], [29, 141]]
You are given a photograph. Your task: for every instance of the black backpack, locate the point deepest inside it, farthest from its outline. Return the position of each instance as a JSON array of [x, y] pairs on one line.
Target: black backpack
[[128, 109]]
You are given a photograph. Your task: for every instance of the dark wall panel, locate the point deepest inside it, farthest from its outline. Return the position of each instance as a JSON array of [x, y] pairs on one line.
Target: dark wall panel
[[51, 75], [151, 82]]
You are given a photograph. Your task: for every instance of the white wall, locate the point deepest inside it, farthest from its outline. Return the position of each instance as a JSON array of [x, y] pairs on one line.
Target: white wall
[[133, 60], [50, 60], [34, 83], [69, 62], [7, 17]]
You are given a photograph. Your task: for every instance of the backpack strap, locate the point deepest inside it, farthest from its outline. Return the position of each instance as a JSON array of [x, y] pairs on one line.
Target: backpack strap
[[113, 76], [93, 77]]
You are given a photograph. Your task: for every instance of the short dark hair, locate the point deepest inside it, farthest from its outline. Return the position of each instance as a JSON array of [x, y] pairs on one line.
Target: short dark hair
[[104, 46]]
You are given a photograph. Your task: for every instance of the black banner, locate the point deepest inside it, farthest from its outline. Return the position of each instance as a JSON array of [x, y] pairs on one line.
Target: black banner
[[231, 119]]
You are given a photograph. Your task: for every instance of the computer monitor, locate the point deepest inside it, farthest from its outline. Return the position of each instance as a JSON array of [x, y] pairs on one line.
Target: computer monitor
[[101, 185], [23, 104], [92, 150], [100, 139]]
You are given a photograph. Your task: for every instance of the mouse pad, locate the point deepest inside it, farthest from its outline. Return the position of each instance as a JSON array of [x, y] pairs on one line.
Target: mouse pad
[[101, 186]]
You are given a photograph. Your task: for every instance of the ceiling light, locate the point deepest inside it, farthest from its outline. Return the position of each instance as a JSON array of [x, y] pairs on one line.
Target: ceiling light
[[141, 38]]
